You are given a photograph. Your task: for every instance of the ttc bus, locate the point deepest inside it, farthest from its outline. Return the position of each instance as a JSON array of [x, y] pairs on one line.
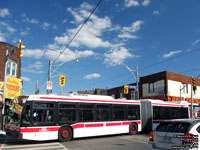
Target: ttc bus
[[51, 117]]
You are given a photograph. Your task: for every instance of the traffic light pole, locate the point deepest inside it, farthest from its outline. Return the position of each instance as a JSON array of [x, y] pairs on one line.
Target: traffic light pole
[[135, 76]]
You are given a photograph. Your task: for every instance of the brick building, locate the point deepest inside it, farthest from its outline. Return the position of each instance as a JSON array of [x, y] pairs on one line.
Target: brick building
[[13, 63]]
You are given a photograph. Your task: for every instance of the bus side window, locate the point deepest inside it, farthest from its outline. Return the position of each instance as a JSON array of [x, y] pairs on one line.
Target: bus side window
[[67, 112]]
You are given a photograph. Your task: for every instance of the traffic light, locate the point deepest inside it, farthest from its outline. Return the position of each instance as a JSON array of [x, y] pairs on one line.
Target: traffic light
[[20, 47], [194, 83], [62, 80], [125, 89]]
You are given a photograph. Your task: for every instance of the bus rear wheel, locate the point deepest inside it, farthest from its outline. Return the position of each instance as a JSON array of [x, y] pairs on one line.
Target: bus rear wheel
[[65, 134], [133, 128]]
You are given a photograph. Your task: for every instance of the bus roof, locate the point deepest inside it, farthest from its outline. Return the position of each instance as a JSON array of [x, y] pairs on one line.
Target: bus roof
[[167, 103], [81, 98], [101, 99]]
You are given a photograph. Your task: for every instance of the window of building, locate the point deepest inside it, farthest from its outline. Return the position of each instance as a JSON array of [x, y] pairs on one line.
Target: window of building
[[11, 68], [184, 88], [121, 95], [134, 94], [152, 87]]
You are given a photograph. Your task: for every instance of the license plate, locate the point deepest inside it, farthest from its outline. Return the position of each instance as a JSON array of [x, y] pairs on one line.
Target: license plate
[[167, 139]]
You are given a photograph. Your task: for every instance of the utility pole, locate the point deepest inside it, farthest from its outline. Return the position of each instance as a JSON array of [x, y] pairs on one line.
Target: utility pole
[[49, 75], [50, 65], [137, 83], [36, 88]]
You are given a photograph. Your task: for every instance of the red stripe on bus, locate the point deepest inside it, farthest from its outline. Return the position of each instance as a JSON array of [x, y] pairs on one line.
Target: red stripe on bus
[[169, 105], [138, 122], [93, 125], [126, 123], [90, 100], [78, 126], [24, 130], [157, 121], [114, 124]]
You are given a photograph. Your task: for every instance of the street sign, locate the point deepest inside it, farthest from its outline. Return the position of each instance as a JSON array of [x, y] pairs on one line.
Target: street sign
[[133, 87], [49, 85]]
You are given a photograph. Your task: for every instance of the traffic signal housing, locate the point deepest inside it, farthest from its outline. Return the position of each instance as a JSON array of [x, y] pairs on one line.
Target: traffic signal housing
[[125, 89], [194, 83], [62, 80], [20, 47]]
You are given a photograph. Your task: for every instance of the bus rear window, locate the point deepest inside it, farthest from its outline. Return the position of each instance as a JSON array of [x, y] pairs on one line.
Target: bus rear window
[[177, 127]]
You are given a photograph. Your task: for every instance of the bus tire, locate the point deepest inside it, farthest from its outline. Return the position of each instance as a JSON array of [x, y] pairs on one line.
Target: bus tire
[[65, 134], [133, 128]]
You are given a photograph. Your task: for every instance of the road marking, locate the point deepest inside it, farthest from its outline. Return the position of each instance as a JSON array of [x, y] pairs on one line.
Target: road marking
[[133, 140], [45, 146]]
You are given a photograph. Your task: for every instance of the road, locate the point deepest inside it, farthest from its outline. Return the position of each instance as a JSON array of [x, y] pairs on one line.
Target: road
[[117, 142]]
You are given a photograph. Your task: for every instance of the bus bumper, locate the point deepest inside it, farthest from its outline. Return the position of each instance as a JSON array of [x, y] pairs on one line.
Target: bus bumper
[[13, 134]]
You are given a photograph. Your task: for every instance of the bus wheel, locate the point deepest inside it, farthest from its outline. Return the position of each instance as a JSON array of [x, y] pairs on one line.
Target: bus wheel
[[65, 134], [133, 128]]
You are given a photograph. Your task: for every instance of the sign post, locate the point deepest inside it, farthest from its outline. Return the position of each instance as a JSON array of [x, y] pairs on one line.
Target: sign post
[[49, 86]]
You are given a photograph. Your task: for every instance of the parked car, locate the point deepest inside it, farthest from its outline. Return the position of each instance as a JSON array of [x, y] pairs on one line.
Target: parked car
[[176, 134]]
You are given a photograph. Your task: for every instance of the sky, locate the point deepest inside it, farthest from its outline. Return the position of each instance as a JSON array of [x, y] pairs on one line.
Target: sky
[[155, 35]]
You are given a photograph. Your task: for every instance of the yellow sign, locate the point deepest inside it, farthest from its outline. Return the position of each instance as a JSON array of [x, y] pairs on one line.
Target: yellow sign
[[125, 89], [12, 87], [1, 85], [62, 80]]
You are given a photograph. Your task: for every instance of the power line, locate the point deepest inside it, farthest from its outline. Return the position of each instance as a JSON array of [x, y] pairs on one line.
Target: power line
[[151, 65], [86, 20], [160, 62], [78, 30], [68, 44]]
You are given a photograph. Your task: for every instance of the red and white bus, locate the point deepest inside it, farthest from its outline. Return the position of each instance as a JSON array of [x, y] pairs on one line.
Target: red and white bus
[[50, 117]]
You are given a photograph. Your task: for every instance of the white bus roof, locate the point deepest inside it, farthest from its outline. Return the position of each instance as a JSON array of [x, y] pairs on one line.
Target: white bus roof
[[81, 98]]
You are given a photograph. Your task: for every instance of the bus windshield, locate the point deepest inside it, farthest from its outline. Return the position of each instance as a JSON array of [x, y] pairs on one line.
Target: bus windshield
[[15, 112]]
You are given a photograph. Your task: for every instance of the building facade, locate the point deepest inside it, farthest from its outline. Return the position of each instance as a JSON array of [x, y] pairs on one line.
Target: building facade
[[13, 63], [167, 86]]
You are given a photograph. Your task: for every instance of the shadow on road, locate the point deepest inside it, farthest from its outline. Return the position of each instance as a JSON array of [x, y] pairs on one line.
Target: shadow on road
[[13, 141]]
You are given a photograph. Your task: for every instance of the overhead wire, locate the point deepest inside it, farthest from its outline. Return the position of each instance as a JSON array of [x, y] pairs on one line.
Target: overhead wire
[[68, 44], [152, 65]]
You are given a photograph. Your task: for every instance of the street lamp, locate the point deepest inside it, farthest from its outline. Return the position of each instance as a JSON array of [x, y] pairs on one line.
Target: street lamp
[[50, 72], [133, 74]]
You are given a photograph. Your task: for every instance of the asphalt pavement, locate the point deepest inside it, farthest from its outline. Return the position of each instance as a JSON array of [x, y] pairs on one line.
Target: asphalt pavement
[[112, 142]]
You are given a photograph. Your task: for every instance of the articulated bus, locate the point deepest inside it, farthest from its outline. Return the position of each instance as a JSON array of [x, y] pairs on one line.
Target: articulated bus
[[51, 117]]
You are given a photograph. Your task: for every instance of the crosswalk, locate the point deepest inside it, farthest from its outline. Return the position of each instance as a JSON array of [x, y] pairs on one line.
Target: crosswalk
[[44, 146]]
